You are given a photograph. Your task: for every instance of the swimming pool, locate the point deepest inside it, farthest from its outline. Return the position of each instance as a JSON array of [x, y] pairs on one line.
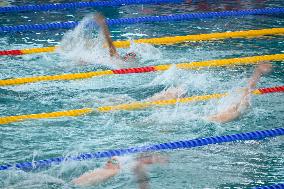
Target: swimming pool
[[232, 165]]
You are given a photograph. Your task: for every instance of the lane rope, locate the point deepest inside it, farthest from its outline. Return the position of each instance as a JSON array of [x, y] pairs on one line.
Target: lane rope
[[192, 65], [183, 144], [166, 18], [202, 37], [274, 186], [68, 113], [76, 5], [141, 105], [163, 40], [130, 106]]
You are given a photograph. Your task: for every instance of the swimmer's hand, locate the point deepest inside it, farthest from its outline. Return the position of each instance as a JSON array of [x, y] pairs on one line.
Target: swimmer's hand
[[264, 68]]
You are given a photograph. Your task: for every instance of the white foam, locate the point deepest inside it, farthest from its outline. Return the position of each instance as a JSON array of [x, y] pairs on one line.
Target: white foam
[[188, 79], [6, 3], [84, 45], [28, 180], [146, 52]]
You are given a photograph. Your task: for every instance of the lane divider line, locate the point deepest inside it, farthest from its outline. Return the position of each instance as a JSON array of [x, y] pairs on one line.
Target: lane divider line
[[129, 106], [192, 65], [146, 19], [162, 40], [274, 186], [174, 145], [84, 4]]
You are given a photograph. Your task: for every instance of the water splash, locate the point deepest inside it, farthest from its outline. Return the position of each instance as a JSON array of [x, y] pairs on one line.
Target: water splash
[[188, 79], [169, 77], [84, 44], [21, 179], [146, 52], [4, 3]]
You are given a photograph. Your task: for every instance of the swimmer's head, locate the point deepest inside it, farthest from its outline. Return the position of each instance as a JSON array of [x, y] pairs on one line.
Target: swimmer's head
[[112, 163], [130, 57]]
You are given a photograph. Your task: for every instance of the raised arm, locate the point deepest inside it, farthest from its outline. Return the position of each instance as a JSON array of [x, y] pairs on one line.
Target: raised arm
[[100, 20], [259, 71], [235, 110], [140, 171]]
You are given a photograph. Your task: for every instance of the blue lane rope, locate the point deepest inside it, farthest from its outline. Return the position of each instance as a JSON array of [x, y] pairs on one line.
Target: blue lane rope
[[175, 17], [256, 135], [274, 186], [75, 5]]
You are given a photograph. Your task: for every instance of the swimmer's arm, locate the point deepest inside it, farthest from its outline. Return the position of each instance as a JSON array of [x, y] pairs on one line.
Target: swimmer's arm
[[170, 93], [94, 177], [152, 160], [112, 49], [141, 176], [234, 112], [226, 116], [260, 70], [254, 79], [101, 21], [85, 179]]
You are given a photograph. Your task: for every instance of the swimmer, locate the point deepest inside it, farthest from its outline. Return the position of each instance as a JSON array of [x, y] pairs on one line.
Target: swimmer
[[140, 168], [169, 93], [232, 112], [100, 20], [97, 176], [112, 168]]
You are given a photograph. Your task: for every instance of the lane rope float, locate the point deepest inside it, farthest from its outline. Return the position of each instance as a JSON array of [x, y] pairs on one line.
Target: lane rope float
[[148, 19], [68, 113], [76, 5], [192, 65], [274, 186], [203, 37], [130, 106], [162, 40], [141, 105], [183, 144]]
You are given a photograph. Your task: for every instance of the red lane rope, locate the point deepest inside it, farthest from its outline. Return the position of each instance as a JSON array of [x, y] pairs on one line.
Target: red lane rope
[[272, 89], [135, 70], [11, 52]]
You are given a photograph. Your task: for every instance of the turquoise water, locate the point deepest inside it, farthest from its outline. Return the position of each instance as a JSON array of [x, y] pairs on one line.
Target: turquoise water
[[232, 165]]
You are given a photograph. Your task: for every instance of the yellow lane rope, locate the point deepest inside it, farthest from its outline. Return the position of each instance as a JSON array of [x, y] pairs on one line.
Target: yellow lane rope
[[202, 37], [165, 40], [130, 106], [77, 112], [38, 50], [192, 65], [140, 105], [18, 81]]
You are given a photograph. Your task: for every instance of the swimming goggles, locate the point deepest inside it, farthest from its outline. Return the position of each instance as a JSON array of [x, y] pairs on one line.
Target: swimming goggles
[[128, 56], [113, 161]]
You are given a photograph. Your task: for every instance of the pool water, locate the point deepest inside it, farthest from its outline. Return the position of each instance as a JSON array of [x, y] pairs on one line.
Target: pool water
[[231, 165]]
